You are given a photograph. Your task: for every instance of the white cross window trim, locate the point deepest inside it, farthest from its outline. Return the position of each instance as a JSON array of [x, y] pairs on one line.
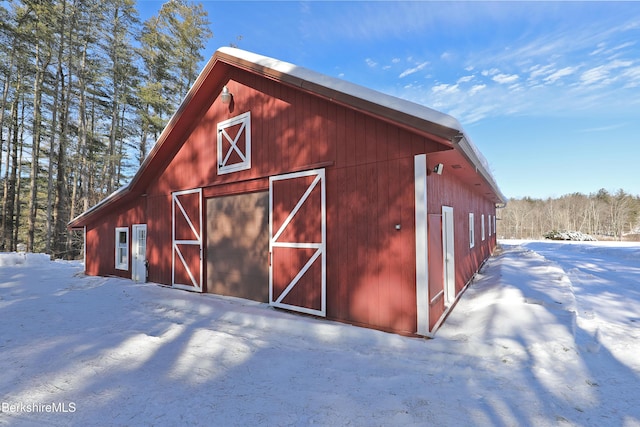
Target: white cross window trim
[[228, 145]]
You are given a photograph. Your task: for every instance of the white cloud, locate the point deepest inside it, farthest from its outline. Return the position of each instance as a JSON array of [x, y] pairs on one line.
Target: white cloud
[[446, 56], [478, 113], [604, 128], [475, 89], [413, 70], [539, 70], [632, 77], [491, 72], [444, 88], [602, 73], [505, 78], [620, 64], [557, 75], [371, 63], [624, 45], [566, 69], [600, 49]]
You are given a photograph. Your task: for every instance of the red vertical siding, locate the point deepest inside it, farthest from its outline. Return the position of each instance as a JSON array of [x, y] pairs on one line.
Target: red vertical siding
[[101, 238], [436, 267], [369, 186], [159, 238], [450, 190]]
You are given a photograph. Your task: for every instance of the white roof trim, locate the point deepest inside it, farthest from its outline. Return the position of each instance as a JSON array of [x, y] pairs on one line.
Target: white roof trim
[[348, 88]]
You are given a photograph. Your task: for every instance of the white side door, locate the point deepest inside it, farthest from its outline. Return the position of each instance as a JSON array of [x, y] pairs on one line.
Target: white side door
[[448, 256], [139, 256]]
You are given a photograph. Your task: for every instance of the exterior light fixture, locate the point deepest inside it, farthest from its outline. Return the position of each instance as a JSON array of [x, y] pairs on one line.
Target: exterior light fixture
[[437, 169], [225, 96]]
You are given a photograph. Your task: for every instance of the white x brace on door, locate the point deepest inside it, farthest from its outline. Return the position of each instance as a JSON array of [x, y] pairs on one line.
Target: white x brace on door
[[297, 242], [186, 260]]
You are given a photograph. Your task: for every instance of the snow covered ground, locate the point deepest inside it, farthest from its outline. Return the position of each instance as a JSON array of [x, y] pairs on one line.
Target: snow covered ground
[[548, 335]]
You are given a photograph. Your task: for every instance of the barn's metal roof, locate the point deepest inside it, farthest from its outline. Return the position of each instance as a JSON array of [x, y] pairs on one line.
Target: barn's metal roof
[[390, 108]]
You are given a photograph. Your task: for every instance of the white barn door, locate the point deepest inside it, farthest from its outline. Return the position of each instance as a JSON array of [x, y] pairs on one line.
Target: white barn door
[[186, 259], [297, 242]]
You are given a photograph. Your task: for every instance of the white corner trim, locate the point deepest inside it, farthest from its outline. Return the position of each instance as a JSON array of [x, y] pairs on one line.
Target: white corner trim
[[422, 258]]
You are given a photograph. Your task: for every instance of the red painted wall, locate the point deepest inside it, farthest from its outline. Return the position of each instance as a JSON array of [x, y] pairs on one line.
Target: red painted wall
[[449, 190], [369, 188], [101, 238]]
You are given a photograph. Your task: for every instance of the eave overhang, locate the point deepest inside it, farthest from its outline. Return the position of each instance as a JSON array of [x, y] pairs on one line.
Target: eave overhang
[[417, 118]]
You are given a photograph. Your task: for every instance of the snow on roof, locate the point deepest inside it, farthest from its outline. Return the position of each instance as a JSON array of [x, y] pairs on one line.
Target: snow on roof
[[426, 115], [418, 116], [357, 91]]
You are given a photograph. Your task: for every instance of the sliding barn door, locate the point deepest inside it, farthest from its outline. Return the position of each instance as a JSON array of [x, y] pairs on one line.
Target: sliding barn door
[[297, 242], [187, 240]]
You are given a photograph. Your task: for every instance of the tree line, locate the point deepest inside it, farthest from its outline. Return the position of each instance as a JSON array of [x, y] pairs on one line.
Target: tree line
[[603, 215], [86, 89]]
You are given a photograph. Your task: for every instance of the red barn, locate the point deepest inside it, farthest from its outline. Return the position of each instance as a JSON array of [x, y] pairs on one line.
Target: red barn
[[278, 184]]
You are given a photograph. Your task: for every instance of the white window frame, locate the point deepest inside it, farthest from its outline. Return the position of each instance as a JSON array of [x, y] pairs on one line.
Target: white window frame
[[489, 224], [244, 120], [482, 227], [119, 264], [472, 231]]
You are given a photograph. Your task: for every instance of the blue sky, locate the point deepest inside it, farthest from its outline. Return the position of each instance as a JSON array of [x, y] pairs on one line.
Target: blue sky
[[548, 91]]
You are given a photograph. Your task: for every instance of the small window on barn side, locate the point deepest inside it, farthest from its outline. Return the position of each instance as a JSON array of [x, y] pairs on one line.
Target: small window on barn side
[[482, 227], [234, 144], [489, 224], [472, 233], [122, 248]]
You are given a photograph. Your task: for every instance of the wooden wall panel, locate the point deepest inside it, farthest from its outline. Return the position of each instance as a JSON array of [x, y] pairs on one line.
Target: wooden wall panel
[[405, 240], [340, 253], [375, 278], [384, 231], [159, 238], [101, 239]]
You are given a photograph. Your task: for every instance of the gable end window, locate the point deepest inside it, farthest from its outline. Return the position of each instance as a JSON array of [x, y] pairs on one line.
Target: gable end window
[[122, 248], [234, 144]]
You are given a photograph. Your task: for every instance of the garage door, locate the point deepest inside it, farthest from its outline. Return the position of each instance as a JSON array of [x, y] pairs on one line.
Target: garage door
[[297, 242], [238, 246]]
